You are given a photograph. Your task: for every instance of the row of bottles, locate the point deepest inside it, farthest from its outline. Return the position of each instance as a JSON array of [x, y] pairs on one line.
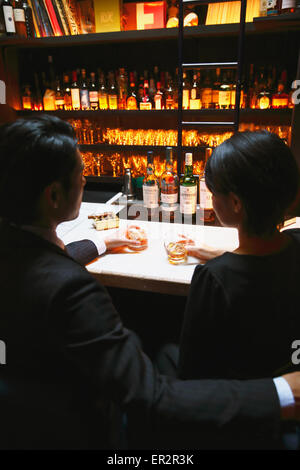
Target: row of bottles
[[205, 89], [17, 18], [168, 189]]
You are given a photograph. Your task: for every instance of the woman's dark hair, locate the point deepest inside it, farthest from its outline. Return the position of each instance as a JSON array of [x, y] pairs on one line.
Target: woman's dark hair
[[33, 154], [260, 169]]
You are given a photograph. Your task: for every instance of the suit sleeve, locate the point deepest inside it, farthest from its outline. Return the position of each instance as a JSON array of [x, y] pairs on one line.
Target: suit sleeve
[[108, 355], [83, 251]]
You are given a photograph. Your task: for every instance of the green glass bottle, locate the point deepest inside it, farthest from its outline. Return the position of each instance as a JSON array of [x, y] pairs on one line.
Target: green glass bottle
[[188, 187]]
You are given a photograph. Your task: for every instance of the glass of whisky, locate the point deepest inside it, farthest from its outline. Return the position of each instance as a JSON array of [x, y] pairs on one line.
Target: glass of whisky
[[134, 232], [176, 250]]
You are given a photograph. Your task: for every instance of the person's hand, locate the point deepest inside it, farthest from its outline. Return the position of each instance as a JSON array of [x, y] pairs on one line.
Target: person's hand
[[203, 252], [119, 239], [293, 379]]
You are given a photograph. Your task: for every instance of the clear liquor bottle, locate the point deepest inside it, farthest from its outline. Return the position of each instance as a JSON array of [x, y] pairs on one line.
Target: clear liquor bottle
[[169, 184], [185, 92], [195, 100], [225, 92], [159, 98], [103, 94], [150, 185], [188, 187], [122, 83], [206, 92]]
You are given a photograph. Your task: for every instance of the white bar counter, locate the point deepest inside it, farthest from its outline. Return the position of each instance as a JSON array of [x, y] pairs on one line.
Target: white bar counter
[[147, 270]]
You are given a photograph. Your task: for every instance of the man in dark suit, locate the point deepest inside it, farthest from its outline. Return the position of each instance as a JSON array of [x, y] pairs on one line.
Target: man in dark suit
[[71, 365]]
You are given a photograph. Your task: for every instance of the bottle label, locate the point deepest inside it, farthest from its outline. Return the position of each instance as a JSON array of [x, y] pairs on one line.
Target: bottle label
[[145, 106], [185, 99], [84, 99], [288, 4], [75, 98], [188, 199], [264, 102], [112, 100], [193, 93], [150, 196], [19, 14], [224, 99], [215, 96], [232, 97], [93, 96], [195, 104], [280, 102], [157, 101], [188, 159], [9, 19], [205, 196], [169, 198]]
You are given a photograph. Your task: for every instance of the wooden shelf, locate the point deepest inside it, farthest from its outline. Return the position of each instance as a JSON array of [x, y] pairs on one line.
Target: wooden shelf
[[277, 24]]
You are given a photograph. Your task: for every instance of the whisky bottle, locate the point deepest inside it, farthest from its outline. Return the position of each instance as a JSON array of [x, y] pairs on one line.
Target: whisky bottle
[[169, 184], [93, 93], [169, 94], [206, 92], [280, 99], [195, 100], [27, 99], [150, 185], [59, 97], [225, 93], [112, 93], [19, 17], [38, 100], [84, 92], [8, 14], [205, 197], [131, 100], [185, 93], [103, 94], [75, 94], [188, 187], [159, 98], [264, 95], [67, 94]]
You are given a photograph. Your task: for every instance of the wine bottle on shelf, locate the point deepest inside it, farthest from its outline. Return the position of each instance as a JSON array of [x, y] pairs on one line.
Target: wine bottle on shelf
[[112, 93], [93, 92], [59, 96], [67, 93], [28, 20], [84, 92], [103, 92], [131, 103], [169, 184], [8, 14], [207, 213], [150, 185], [188, 188], [225, 92], [169, 95], [19, 17], [264, 96], [75, 94]]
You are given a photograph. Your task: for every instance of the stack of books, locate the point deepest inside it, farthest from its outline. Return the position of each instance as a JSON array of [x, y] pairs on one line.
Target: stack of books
[[55, 17]]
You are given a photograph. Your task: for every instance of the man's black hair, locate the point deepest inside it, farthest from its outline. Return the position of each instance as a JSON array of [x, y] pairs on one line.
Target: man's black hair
[[33, 154], [261, 170]]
